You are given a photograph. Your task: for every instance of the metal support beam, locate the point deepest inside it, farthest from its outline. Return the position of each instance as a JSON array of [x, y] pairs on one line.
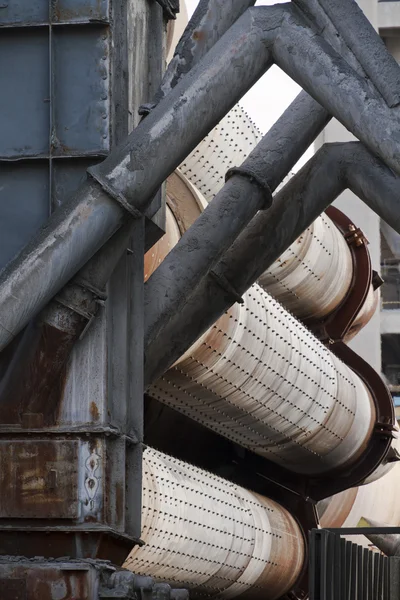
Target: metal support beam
[[130, 176], [132, 173], [357, 32], [209, 22], [333, 169], [247, 191]]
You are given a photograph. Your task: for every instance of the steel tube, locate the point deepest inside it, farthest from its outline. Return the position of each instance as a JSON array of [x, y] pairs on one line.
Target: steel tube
[[360, 36], [209, 22], [232, 542], [132, 174], [270, 233], [218, 226], [327, 77]]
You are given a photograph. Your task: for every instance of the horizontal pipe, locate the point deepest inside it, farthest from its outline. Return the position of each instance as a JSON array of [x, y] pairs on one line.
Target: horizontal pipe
[[212, 536], [332, 169], [219, 225], [131, 174], [360, 36]]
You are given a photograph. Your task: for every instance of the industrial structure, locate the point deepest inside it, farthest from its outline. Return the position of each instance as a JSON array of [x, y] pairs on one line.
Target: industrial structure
[[182, 404]]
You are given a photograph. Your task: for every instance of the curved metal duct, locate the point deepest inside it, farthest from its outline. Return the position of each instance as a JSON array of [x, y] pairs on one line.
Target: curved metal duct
[[258, 376], [315, 273], [213, 537], [261, 379]]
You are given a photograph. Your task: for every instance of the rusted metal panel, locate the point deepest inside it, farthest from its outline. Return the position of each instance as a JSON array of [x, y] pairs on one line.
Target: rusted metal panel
[[38, 479]]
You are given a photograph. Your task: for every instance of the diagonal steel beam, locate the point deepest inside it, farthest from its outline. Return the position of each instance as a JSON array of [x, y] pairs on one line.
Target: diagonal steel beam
[[333, 169]]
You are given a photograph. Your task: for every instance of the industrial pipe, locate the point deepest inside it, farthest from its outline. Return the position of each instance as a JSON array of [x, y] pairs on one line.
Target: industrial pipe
[[131, 174], [213, 537], [218, 226], [261, 379], [357, 32], [333, 168], [209, 22]]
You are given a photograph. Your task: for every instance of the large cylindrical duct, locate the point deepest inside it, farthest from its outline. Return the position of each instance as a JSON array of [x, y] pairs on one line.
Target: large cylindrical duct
[[213, 537], [314, 275], [258, 376], [261, 379]]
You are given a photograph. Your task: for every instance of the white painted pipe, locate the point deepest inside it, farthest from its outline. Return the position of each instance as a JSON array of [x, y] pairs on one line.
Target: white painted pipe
[[213, 537], [261, 379]]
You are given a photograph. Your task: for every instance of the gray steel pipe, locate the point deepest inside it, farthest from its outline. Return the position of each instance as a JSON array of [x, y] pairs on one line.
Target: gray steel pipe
[[209, 22], [132, 174], [230, 211], [334, 168], [318, 69], [357, 32]]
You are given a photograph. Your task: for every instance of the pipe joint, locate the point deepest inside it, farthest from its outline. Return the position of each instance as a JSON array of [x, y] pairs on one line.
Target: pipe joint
[[114, 193], [254, 178]]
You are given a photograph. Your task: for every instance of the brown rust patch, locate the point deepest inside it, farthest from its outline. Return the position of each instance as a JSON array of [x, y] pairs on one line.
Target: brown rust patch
[[94, 411], [198, 36]]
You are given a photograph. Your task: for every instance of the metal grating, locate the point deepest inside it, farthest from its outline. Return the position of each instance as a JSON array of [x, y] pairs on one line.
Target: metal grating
[[341, 569], [54, 108]]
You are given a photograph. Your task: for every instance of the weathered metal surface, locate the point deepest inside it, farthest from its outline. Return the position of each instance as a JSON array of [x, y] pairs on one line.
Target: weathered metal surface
[[79, 219], [314, 275], [334, 168], [38, 479], [261, 379], [211, 19], [360, 36], [170, 7], [231, 542]]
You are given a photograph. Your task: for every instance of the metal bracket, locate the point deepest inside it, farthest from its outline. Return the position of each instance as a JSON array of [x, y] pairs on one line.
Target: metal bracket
[[253, 177]]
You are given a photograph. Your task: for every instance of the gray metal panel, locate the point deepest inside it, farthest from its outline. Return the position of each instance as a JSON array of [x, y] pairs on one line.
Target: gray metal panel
[[81, 104], [67, 175], [24, 204], [24, 11], [24, 92], [79, 10]]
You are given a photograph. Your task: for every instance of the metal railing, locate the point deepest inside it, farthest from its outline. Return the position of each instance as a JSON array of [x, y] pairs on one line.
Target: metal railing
[[342, 570]]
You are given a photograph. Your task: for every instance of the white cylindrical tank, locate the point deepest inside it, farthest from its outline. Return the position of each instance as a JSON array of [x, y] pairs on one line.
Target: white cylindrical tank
[[213, 537]]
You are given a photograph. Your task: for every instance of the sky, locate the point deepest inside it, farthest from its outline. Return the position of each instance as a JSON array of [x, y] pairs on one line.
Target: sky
[[271, 95]]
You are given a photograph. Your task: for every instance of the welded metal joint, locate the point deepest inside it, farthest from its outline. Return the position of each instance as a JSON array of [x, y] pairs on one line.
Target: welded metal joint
[[254, 178], [114, 194], [227, 287]]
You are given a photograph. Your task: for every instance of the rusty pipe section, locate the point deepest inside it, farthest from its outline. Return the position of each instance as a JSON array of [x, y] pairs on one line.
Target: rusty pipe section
[[212, 536], [314, 275]]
